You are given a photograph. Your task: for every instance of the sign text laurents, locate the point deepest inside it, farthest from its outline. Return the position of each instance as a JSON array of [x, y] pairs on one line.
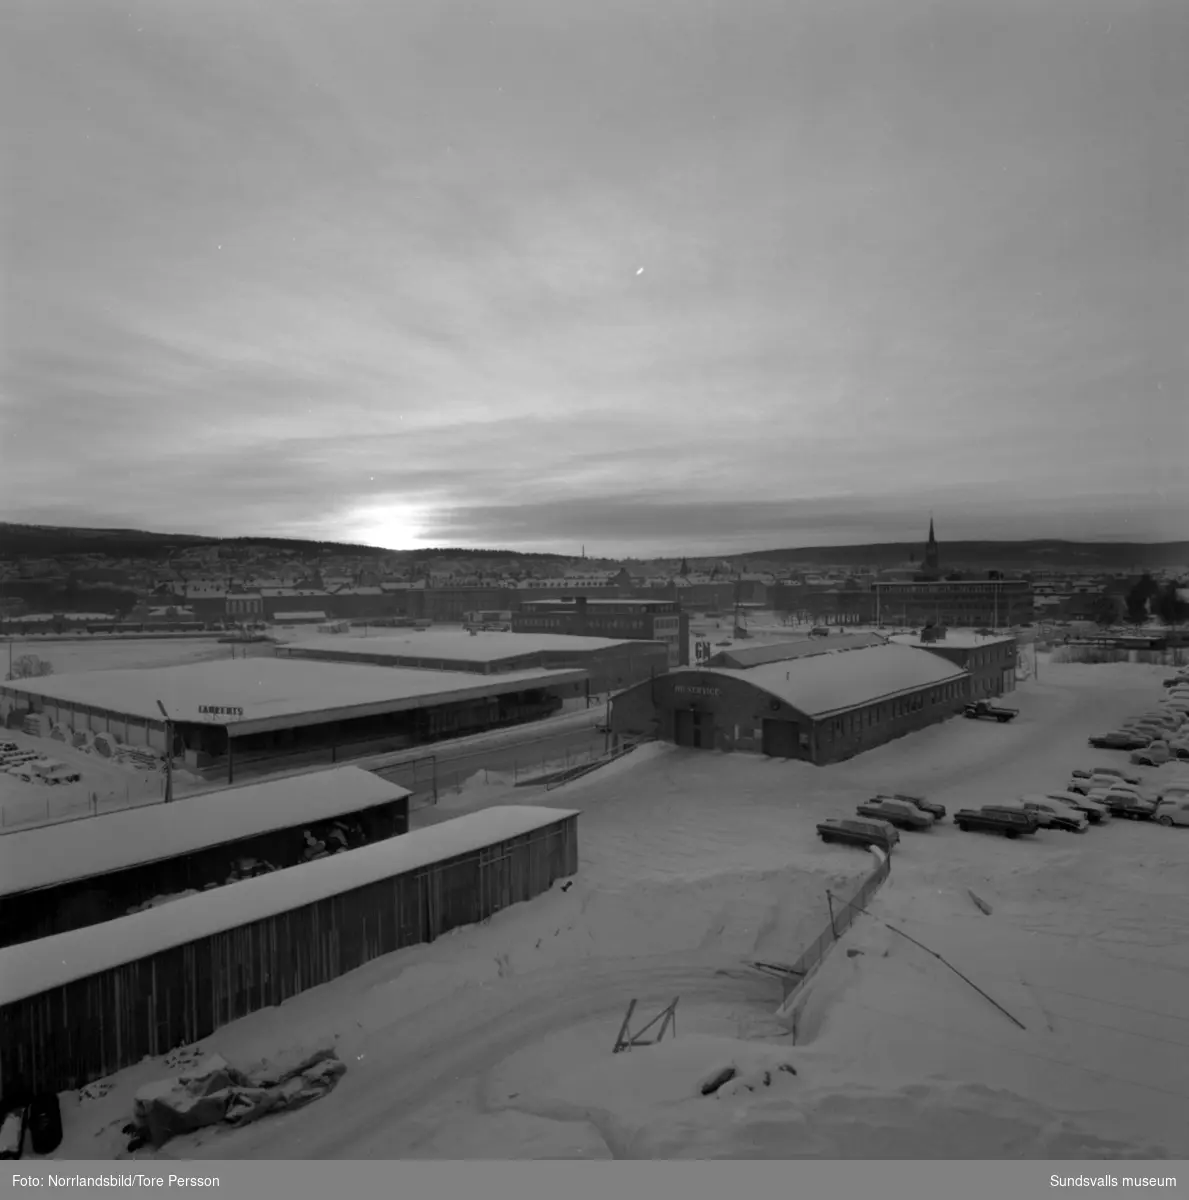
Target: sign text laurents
[[219, 710], [691, 689]]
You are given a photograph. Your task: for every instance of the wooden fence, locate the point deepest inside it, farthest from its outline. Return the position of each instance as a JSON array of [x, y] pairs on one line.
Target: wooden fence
[[87, 1028]]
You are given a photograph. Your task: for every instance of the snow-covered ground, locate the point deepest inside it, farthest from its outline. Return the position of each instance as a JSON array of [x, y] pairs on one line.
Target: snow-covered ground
[[495, 1042]]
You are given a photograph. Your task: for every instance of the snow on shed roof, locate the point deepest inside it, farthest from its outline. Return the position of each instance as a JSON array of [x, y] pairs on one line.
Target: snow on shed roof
[[274, 693], [960, 639], [451, 645], [31, 968], [741, 657], [822, 684], [53, 854]]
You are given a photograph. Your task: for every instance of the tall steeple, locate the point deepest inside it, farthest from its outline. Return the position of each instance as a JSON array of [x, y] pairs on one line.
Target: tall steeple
[[932, 558]]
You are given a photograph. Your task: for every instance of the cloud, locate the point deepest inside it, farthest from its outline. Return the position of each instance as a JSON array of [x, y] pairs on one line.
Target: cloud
[[376, 268]]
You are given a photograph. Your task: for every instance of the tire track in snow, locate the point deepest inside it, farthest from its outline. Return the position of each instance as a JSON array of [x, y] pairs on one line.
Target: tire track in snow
[[407, 1066]]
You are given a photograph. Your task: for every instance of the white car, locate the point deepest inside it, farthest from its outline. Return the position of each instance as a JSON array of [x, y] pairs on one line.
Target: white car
[[1174, 809], [1053, 814], [1117, 772], [1155, 754], [1095, 783], [1095, 811]]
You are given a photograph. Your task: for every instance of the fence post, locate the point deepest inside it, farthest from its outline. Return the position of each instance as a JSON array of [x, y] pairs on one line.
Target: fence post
[[830, 902]]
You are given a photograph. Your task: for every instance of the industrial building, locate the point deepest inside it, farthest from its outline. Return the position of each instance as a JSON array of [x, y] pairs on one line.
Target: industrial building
[[78, 873], [201, 962], [260, 709], [972, 603], [610, 663], [989, 659], [583, 616], [821, 707]]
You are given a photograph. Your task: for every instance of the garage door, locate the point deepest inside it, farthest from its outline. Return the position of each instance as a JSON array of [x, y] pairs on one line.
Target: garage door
[[693, 729], [780, 739]]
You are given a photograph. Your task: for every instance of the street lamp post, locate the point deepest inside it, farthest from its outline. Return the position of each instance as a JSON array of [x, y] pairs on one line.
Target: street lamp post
[[168, 753]]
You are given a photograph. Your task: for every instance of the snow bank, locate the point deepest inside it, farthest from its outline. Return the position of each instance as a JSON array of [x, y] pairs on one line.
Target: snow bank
[[78, 849], [31, 968], [648, 1103]]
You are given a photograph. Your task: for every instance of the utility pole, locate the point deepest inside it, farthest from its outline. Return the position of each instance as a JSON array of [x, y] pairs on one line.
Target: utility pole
[[168, 753]]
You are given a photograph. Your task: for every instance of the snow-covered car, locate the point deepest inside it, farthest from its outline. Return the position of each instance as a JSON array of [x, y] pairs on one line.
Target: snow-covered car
[[858, 831], [1118, 772], [1118, 739], [929, 806], [1174, 808], [1052, 814], [1155, 754], [1124, 803], [899, 813], [1095, 783], [1098, 813]]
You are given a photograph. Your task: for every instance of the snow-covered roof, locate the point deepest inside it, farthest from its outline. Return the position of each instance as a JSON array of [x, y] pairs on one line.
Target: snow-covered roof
[[456, 645], [52, 854], [276, 693], [31, 968], [820, 685], [744, 657], [961, 639]]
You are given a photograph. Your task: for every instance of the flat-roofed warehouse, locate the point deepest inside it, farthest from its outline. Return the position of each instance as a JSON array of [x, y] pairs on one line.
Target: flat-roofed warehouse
[[821, 707], [72, 874], [610, 663], [235, 711]]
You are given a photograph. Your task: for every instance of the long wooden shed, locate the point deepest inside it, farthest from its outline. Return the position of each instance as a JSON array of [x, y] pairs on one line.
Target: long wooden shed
[[80, 1005], [79, 873]]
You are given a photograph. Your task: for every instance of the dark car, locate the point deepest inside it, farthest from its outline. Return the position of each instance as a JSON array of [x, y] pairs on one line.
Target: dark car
[[981, 708], [1118, 741], [1011, 822], [858, 831]]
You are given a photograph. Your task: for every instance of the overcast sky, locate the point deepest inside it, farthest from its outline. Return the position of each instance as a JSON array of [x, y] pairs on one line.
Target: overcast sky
[[675, 276]]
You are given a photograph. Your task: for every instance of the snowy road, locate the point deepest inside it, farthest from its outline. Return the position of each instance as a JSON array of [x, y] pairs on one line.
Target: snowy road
[[460, 1040]]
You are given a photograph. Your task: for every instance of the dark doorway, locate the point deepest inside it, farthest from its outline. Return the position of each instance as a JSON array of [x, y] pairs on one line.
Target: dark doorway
[[780, 739], [693, 729]]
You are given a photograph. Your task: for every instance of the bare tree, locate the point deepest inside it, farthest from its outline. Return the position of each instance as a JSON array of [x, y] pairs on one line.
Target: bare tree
[[29, 666]]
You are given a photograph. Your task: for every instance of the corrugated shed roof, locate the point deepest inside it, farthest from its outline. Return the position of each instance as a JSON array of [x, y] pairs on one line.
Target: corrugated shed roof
[[53, 854], [744, 657], [821, 685], [30, 968]]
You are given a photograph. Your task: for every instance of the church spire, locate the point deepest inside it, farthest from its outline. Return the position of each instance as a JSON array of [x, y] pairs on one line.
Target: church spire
[[932, 556]]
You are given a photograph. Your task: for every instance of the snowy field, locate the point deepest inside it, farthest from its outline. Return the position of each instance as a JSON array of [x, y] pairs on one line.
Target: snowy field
[[495, 1042], [67, 656]]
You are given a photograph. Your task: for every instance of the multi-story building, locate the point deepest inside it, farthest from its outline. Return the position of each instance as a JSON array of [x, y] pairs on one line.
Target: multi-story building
[[965, 602], [582, 616], [931, 599]]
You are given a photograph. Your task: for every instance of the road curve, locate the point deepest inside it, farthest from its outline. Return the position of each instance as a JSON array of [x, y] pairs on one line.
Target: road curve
[[407, 1065]]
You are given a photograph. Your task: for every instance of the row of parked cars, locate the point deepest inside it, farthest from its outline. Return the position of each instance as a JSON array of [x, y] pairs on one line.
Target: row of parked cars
[[1157, 736]]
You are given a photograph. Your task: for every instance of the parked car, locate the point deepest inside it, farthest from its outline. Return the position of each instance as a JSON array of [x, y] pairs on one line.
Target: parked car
[[1177, 681], [1174, 809], [1118, 772], [928, 806], [1095, 783], [899, 813], [1051, 814], [984, 708], [1125, 804], [858, 831], [1154, 754], [996, 818], [1118, 739], [1095, 812]]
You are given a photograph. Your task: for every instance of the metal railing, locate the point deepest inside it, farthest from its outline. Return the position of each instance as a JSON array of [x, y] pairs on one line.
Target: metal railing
[[842, 917]]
